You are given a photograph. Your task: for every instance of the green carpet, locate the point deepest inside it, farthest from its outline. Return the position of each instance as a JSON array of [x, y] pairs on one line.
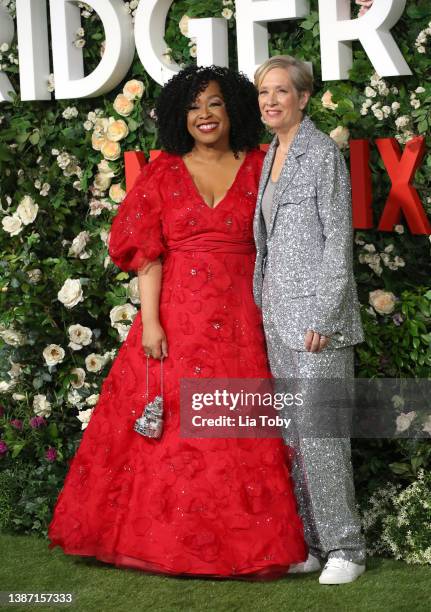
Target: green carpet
[[27, 565]]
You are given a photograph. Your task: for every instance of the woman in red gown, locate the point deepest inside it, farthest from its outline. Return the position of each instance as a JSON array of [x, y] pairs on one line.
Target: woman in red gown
[[204, 507]]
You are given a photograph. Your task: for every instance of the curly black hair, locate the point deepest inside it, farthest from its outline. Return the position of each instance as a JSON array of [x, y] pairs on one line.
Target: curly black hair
[[181, 91]]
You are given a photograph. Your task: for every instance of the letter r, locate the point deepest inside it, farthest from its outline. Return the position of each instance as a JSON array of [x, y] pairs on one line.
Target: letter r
[[337, 30]]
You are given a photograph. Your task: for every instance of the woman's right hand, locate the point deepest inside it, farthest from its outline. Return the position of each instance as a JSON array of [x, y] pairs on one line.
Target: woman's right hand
[[154, 340]]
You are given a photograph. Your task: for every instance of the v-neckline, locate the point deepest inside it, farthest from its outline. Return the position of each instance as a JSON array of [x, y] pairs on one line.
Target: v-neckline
[[198, 193]]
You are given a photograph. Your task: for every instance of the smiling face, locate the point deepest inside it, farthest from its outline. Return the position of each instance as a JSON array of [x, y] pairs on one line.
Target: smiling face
[[279, 102], [207, 120]]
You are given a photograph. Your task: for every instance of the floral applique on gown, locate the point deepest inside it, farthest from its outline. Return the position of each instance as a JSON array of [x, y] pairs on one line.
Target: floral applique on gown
[[208, 507]]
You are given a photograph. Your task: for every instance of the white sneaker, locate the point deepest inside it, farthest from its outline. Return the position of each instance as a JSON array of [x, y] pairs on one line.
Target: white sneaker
[[340, 571], [312, 564]]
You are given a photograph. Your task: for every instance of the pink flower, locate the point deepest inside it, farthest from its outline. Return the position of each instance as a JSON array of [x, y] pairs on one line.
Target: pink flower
[[3, 448], [37, 421], [51, 454], [365, 6], [17, 423]]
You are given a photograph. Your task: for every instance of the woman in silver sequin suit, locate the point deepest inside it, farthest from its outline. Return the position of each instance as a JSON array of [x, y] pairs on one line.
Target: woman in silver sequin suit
[[304, 283]]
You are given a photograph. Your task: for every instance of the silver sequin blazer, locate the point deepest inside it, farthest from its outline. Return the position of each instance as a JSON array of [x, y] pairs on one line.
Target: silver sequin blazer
[[303, 277]]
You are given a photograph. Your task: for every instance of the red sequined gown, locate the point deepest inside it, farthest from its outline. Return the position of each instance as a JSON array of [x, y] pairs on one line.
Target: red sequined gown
[[208, 507]]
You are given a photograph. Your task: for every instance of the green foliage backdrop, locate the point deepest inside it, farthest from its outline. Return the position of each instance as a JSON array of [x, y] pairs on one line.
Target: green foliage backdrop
[[65, 308]]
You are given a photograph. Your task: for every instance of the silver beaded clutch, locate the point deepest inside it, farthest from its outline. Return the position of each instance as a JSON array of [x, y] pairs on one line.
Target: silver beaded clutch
[[150, 424]]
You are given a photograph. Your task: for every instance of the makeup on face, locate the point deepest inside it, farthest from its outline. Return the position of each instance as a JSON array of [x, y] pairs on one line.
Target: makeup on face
[[207, 118], [279, 102]]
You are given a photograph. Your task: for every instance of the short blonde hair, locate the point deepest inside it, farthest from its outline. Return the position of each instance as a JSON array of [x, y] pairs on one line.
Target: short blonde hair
[[299, 72]]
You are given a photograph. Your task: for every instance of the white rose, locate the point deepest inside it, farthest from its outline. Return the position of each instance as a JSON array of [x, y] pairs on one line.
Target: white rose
[[79, 378], [79, 336], [123, 106], [53, 354], [123, 331], [12, 225], [12, 337], [378, 114], [105, 168], [341, 136], [97, 141], [27, 210], [71, 293], [134, 89], [102, 182], [41, 406], [101, 125], [383, 302], [404, 420], [386, 110], [117, 193], [111, 150], [121, 314], [74, 399], [117, 130], [18, 396], [327, 101], [184, 25], [402, 121], [227, 13], [370, 92], [94, 362], [84, 416], [133, 290], [399, 229], [395, 107], [92, 399], [193, 51], [70, 112], [420, 90], [79, 243], [5, 386], [383, 89]]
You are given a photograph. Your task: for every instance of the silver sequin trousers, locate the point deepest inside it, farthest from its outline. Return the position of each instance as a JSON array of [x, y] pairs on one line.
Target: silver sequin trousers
[[321, 469]]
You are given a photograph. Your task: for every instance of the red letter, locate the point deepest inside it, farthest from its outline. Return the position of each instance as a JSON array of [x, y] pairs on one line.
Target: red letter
[[360, 173], [403, 196], [133, 161]]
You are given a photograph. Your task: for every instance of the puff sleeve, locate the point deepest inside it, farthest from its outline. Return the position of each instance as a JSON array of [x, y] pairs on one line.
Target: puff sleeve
[[136, 236]]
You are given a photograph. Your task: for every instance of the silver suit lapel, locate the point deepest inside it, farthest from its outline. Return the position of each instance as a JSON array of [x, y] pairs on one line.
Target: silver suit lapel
[[291, 165]]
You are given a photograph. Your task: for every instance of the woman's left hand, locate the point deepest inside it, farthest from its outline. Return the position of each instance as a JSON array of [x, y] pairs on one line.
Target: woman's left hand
[[315, 342]]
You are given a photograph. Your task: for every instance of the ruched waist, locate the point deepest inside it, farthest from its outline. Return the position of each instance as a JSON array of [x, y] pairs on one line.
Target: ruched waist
[[211, 243]]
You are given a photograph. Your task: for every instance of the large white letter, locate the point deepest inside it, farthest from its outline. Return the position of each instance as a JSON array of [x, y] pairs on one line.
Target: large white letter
[[252, 17], [68, 62], [33, 49], [372, 30], [211, 41], [7, 32], [150, 25]]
